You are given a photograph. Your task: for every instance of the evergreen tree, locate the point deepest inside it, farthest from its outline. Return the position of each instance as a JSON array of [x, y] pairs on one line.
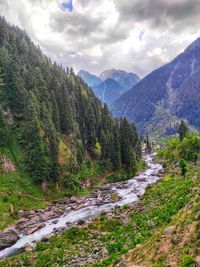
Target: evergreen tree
[[126, 139], [116, 153], [35, 159], [183, 167], [4, 133], [183, 130], [148, 145], [13, 90], [55, 112], [52, 143], [90, 134], [66, 124]]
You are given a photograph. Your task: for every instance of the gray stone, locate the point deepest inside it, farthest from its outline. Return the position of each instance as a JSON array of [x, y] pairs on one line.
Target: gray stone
[[170, 230], [21, 214], [55, 221], [8, 237]]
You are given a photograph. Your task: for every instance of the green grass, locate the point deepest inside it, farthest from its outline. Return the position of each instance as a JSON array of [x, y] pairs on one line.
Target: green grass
[[21, 193], [158, 207]]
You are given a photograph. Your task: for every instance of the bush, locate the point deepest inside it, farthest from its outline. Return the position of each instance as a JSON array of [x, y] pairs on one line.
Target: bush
[[187, 261]]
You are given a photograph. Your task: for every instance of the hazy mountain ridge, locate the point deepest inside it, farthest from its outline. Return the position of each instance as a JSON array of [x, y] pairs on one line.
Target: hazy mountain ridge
[[125, 79], [90, 79], [165, 92], [110, 84], [108, 91]]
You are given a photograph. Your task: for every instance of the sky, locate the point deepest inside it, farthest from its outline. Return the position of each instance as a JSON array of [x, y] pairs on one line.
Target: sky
[[133, 35]]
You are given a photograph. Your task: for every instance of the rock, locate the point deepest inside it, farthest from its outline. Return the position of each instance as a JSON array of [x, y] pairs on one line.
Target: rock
[[47, 216], [174, 240], [21, 214], [27, 247], [197, 216], [8, 237], [81, 222], [34, 229], [96, 250], [45, 238], [22, 220], [73, 200], [142, 179], [30, 213], [80, 207], [170, 230], [55, 221]]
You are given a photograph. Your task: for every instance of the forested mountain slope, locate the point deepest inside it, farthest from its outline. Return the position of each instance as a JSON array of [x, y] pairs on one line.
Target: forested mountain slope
[[164, 96], [53, 118]]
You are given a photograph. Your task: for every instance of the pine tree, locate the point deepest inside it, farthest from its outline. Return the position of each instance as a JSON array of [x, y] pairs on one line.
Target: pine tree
[[116, 153], [35, 159], [55, 112], [4, 133], [90, 134], [183, 167], [13, 90], [127, 155], [52, 141], [183, 130], [148, 145]]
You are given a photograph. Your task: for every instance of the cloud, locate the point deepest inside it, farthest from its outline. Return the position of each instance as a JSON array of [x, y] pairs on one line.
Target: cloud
[[133, 35]]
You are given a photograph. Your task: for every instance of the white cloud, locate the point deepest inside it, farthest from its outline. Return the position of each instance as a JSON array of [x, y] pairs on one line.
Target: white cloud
[[132, 35]]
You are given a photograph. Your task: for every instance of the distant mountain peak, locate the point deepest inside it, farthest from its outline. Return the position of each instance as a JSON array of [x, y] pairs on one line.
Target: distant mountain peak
[[125, 79], [90, 79], [81, 72]]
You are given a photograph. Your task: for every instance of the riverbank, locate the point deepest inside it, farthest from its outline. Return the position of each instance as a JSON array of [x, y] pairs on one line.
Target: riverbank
[[55, 218], [111, 235]]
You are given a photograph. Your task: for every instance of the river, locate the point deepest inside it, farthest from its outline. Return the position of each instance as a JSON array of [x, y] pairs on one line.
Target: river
[[128, 191]]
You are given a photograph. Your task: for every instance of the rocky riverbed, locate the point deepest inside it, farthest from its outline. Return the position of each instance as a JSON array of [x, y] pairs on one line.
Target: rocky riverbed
[[39, 225]]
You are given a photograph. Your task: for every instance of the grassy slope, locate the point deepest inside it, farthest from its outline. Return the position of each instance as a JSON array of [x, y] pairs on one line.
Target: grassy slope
[[174, 200], [180, 248]]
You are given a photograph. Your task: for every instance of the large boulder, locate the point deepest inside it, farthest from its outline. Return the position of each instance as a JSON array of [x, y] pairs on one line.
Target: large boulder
[[8, 237]]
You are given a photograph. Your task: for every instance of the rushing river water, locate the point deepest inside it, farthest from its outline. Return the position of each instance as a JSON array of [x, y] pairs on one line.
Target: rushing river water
[[129, 192]]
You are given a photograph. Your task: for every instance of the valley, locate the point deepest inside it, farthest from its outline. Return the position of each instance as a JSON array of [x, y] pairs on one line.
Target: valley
[[99, 133], [35, 226]]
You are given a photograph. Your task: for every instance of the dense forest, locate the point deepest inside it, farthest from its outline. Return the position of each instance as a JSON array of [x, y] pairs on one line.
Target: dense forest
[[53, 117]]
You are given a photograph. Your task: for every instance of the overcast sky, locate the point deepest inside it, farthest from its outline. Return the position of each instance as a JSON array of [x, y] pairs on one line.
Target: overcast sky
[[132, 35]]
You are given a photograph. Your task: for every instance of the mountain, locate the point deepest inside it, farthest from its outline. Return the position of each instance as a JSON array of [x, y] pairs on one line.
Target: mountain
[[111, 84], [165, 96], [51, 123], [124, 79], [108, 91], [89, 78]]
